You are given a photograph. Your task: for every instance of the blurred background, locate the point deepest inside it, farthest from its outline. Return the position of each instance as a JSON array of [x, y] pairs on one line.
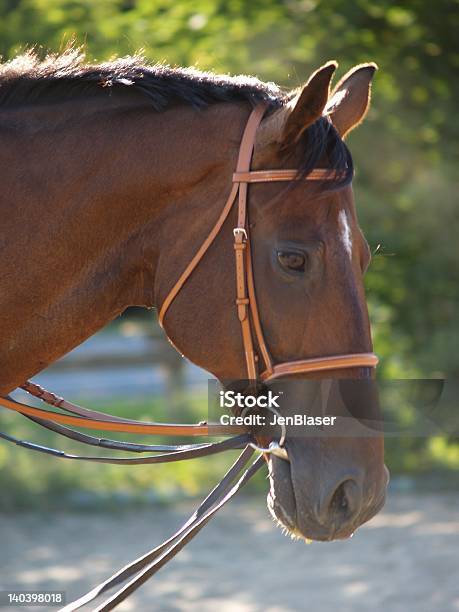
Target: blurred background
[[406, 157]]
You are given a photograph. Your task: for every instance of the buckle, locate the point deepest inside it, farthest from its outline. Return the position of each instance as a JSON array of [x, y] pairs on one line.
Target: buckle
[[240, 231], [274, 448]]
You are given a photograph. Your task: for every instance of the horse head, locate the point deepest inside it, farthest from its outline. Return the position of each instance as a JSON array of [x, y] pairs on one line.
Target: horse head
[[309, 257]]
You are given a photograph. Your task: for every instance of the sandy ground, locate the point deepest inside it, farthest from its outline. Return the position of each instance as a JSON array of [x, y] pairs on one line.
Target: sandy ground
[[406, 559]]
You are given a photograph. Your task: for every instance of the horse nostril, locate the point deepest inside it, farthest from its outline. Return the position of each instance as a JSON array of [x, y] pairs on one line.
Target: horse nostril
[[346, 501]]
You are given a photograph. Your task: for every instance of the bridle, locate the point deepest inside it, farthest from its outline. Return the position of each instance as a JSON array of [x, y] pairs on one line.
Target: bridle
[[246, 300], [68, 414]]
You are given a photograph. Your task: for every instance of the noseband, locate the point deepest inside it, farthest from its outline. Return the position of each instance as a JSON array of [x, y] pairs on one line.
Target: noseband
[[246, 301]]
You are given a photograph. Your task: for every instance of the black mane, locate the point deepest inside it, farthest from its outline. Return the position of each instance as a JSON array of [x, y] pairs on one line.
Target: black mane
[[29, 80], [26, 79]]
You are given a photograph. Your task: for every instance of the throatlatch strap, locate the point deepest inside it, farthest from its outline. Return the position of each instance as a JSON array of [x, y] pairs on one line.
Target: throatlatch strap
[[245, 151]]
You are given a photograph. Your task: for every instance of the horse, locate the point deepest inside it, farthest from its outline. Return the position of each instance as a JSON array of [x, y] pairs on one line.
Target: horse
[[113, 175]]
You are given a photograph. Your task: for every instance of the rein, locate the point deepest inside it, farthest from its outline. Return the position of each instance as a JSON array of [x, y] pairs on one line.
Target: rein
[[256, 351]]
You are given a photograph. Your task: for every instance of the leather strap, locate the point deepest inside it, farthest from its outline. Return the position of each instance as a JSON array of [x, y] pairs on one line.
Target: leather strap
[[130, 447], [262, 346], [193, 452], [59, 402], [241, 241], [199, 255], [113, 424], [321, 364], [271, 176], [148, 564]]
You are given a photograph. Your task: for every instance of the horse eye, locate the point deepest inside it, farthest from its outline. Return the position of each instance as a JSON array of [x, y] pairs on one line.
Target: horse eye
[[292, 260]]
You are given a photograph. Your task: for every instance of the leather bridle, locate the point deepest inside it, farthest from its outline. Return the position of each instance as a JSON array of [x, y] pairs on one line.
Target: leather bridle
[[246, 301], [137, 572]]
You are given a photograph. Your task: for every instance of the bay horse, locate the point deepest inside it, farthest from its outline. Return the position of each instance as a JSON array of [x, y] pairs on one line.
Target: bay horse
[[113, 175]]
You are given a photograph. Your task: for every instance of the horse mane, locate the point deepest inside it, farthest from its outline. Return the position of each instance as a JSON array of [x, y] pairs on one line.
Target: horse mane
[[28, 79]]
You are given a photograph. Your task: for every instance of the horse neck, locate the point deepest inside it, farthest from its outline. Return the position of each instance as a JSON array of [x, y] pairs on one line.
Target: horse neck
[[105, 199]]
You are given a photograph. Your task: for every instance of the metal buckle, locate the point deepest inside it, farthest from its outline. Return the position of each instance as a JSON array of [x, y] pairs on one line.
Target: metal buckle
[[240, 231], [274, 448]]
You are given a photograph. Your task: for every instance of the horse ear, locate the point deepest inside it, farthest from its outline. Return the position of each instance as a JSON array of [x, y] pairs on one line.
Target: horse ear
[[350, 100], [308, 104]]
